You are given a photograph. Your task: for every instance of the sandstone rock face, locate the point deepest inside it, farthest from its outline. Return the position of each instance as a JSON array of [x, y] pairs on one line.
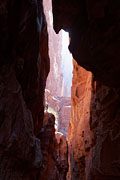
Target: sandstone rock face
[[55, 78], [64, 114], [52, 101], [94, 131], [47, 137], [80, 135], [62, 155], [55, 151], [20, 150], [61, 106], [104, 122], [94, 28], [24, 65]]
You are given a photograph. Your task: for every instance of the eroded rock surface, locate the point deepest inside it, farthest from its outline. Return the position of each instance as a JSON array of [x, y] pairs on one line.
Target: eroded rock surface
[[64, 114], [61, 106], [94, 28], [55, 78], [104, 122], [94, 129], [61, 155], [80, 135], [55, 151], [20, 150]]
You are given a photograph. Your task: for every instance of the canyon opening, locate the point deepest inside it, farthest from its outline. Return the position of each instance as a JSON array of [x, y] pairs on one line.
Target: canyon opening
[[59, 110], [59, 80]]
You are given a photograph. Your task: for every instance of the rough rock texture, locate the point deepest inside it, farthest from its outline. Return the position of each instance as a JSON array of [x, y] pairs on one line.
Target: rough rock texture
[[94, 129], [47, 137], [55, 151], [94, 28], [23, 70], [80, 136], [94, 135], [104, 122], [62, 155], [64, 114], [55, 78], [35, 70], [51, 101], [62, 108], [20, 150]]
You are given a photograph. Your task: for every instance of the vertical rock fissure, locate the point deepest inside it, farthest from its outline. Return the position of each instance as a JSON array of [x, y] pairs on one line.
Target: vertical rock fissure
[[57, 96], [59, 81]]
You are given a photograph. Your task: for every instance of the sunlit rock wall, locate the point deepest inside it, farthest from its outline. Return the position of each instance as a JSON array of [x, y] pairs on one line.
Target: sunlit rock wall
[[55, 78], [94, 129], [80, 135]]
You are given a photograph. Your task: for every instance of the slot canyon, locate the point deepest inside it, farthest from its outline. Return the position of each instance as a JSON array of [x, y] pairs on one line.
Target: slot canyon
[[51, 128]]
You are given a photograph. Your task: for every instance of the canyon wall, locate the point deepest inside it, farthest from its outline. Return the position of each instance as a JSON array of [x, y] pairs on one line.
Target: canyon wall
[[93, 137], [80, 137], [29, 147], [104, 122], [24, 67], [55, 78], [61, 108], [94, 28], [55, 151], [94, 133]]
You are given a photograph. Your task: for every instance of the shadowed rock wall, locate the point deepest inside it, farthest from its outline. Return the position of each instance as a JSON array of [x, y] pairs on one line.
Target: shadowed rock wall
[[55, 151], [28, 144], [24, 66], [94, 30]]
